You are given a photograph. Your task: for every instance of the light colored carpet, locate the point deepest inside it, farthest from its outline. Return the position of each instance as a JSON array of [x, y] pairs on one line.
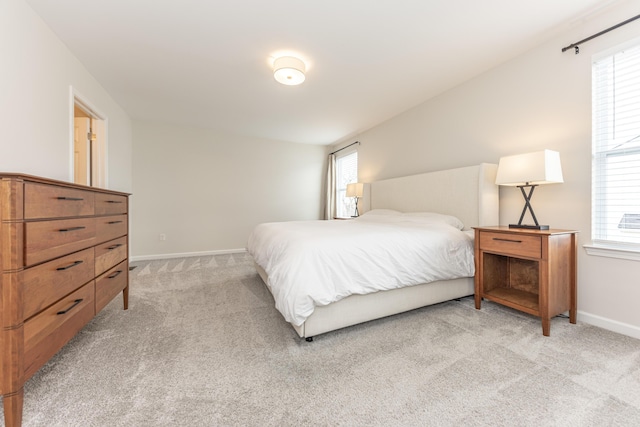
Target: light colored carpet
[[202, 345]]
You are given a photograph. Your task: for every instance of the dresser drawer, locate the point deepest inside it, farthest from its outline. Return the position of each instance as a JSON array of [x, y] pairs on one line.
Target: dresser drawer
[[109, 204], [47, 332], [111, 284], [110, 253], [49, 201], [47, 283], [513, 245], [46, 240], [110, 227]]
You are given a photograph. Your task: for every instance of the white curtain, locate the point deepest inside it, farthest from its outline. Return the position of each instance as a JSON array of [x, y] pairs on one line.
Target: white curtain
[[330, 202]]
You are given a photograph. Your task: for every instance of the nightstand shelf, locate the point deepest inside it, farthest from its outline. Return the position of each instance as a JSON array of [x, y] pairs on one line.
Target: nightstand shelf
[[514, 298], [533, 271]]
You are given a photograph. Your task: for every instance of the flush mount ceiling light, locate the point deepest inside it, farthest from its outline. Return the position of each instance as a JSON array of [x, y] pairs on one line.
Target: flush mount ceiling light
[[288, 70]]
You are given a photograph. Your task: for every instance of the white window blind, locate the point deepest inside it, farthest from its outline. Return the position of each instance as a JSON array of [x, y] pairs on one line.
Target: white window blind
[[346, 173], [616, 149]]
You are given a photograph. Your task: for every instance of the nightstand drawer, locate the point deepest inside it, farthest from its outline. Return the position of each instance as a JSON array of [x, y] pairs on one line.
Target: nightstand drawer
[[511, 244]]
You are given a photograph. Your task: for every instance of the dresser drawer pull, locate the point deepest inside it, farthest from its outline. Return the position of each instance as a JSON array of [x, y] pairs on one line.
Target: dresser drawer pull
[[77, 199], [114, 201], [76, 302], [64, 230], [114, 275], [114, 222], [70, 265], [507, 240], [114, 246]]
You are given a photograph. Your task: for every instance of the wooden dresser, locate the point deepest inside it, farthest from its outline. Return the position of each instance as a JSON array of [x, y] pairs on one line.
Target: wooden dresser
[[64, 256]]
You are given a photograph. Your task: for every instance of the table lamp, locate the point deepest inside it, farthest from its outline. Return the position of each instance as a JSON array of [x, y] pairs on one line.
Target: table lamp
[[528, 171], [355, 190]]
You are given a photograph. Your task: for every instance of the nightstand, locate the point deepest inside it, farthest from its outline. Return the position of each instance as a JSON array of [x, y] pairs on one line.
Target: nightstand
[[533, 271]]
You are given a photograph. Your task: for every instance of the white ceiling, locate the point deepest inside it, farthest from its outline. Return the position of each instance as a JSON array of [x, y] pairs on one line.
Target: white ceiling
[[207, 63]]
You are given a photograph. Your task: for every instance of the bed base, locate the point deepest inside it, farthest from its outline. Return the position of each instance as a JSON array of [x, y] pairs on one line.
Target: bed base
[[356, 309]]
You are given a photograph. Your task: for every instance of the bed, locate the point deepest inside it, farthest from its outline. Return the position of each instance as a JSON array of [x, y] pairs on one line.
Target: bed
[[468, 194]]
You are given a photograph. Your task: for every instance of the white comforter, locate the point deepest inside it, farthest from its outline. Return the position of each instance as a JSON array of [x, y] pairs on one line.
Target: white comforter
[[315, 263]]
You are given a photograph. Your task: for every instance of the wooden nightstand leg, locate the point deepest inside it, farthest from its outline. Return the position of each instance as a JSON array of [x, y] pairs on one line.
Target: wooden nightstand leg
[[479, 264], [546, 327]]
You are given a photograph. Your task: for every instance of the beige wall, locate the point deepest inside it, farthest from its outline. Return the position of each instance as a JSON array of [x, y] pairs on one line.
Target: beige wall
[[206, 191], [36, 74], [539, 100]]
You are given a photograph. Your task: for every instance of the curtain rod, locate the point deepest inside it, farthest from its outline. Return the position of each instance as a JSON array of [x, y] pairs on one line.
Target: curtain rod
[[353, 143], [576, 44]]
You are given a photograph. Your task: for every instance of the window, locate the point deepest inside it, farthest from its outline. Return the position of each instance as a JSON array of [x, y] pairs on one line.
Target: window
[[346, 173], [616, 149]]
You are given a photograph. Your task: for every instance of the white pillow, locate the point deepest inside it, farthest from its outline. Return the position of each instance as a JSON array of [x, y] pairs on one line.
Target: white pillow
[[382, 212], [436, 217]]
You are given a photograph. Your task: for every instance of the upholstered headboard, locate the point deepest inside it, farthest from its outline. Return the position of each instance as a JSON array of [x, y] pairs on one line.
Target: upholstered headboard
[[469, 193]]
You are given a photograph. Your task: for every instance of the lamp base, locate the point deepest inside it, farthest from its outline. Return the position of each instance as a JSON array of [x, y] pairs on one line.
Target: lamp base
[[529, 226]]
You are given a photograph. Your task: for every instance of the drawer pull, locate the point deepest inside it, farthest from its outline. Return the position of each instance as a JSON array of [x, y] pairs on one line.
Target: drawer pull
[[70, 265], [76, 199], [114, 275], [114, 222], [76, 302], [117, 245], [64, 230], [114, 201], [507, 240]]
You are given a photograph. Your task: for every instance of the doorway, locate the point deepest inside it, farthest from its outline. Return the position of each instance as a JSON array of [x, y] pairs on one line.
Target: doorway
[[89, 145]]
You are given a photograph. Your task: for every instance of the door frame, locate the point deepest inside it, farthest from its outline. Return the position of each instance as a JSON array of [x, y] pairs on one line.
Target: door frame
[[99, 124]]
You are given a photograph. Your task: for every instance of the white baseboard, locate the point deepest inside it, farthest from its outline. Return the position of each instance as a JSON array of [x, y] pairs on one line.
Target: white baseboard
[[186, 255], [609, 324]]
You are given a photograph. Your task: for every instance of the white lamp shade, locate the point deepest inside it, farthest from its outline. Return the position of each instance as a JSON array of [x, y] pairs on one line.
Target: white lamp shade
[[541, 167], [355, 190], [289, 70]]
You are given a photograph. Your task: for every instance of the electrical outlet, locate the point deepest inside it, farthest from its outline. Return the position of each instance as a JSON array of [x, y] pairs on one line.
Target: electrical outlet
[[163, 237]]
